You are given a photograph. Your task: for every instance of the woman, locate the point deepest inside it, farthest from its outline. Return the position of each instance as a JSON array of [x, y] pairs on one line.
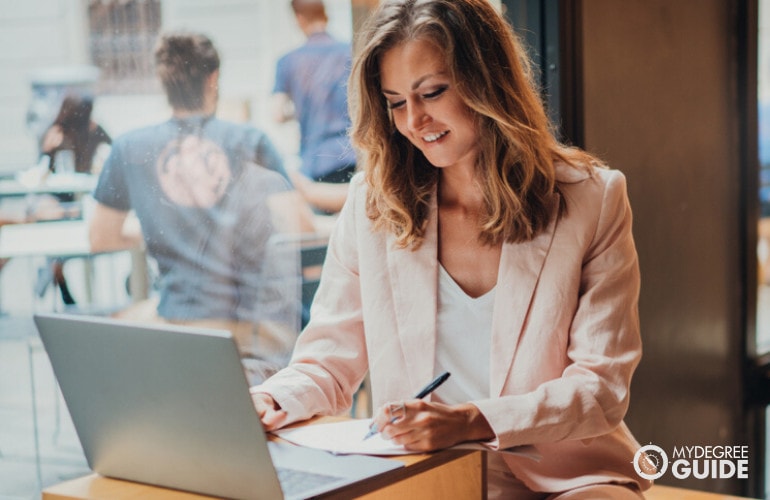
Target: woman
[[475, 243], [72, 130]]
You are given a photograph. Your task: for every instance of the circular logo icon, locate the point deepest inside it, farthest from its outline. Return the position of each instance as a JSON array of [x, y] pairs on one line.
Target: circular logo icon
[[650, 462]]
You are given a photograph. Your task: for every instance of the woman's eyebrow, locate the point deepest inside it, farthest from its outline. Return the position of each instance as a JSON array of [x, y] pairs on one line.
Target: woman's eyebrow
[[419, 81], [416, 83]]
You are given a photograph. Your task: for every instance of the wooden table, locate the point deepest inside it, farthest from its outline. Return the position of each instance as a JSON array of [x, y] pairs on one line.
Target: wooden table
[[440, 475]]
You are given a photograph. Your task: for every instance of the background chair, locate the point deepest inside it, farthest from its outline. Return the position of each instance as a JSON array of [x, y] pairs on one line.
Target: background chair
[[312, 257]]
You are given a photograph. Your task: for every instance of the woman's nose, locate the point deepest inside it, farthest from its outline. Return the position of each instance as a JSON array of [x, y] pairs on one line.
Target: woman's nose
[[416, 116]]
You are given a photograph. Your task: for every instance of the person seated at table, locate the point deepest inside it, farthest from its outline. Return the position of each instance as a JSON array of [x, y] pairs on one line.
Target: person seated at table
[[74, 130], [73, 135], [474, 243], [206, 193]]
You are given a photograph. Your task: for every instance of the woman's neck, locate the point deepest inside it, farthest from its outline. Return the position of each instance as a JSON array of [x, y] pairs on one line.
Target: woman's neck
[[460, 190]]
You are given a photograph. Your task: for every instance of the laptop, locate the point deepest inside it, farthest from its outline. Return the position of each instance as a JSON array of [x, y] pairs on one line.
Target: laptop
[[170, 406]]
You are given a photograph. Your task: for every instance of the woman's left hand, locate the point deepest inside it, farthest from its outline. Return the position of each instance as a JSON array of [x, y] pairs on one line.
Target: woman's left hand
[[426, 426]]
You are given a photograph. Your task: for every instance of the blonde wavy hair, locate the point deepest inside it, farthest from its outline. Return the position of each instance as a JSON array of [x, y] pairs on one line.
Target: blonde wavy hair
[[492, 75]]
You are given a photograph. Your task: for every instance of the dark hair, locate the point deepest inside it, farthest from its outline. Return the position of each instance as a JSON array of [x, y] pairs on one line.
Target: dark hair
[[183, 62], [79, 133], [492, 75], [75, 112]]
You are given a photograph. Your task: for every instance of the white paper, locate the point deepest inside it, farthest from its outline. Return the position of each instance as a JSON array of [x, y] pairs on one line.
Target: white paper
[[347, 437]]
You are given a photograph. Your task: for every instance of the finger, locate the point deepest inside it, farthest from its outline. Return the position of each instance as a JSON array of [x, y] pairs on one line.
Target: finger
[[396, 412], [417, 439], [262, 401], [382, 417], [388, 414], [394, 433], [405, 436], [271, 420], [420, 430]]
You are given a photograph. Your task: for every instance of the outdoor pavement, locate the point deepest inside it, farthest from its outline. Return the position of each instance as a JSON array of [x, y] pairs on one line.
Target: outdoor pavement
[[60, 457], [23, 470]]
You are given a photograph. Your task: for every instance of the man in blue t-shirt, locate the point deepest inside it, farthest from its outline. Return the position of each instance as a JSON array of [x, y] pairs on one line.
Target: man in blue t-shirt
[[311, 86], [202, 190]]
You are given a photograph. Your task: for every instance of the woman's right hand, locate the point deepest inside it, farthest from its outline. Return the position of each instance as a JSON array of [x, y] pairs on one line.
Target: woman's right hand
[[269, 410]]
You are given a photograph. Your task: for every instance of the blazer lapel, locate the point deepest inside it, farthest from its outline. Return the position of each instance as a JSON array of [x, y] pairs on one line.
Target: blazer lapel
[[520, 268], [415, 291]]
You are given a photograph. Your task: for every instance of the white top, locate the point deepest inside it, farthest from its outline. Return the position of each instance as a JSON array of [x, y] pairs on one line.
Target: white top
[[464, 327]]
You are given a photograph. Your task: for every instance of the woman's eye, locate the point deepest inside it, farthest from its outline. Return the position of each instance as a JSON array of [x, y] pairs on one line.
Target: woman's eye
[[435, 93], [395, 105]]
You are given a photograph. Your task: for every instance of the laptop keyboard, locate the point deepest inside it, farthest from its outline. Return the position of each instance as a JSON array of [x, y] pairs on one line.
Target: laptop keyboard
[[294, 482]]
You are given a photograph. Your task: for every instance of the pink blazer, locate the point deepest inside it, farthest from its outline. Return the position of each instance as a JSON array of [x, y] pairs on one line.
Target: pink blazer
[[565, 336]]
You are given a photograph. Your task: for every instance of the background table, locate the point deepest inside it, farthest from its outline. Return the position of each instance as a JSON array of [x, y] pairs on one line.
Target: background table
[[67, 239], [53, 184]]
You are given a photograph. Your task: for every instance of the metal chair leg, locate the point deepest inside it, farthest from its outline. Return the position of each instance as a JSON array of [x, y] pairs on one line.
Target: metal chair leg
[[38, 464]]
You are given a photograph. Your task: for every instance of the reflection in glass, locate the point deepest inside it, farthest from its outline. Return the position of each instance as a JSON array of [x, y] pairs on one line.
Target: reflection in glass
[[763, 246]]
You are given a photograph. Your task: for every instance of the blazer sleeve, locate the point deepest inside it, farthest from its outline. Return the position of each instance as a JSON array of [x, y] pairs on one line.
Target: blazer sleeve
[[591, 396], [330, 359]]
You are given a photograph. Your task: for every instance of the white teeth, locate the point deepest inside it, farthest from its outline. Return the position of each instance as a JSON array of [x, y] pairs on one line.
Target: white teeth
[[434, 137]]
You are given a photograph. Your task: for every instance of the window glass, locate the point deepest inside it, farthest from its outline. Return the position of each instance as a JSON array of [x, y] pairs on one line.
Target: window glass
[[763, 247], [221, 229]]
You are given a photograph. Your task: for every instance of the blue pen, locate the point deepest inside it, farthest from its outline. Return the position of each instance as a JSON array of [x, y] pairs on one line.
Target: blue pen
[[424, 392]]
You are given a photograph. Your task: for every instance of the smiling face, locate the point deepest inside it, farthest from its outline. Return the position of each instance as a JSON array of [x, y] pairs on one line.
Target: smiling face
[[426, 107]]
